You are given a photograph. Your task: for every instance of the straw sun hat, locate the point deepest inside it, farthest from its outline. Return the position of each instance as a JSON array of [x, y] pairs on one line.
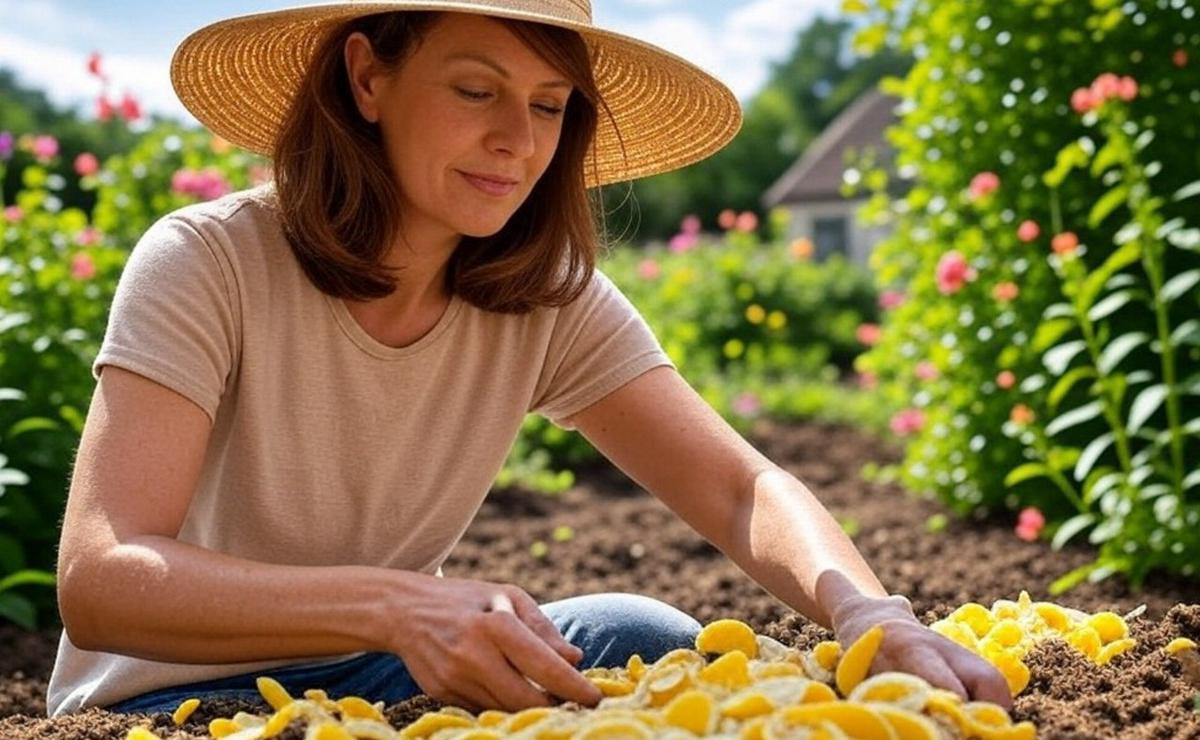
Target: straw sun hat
[[237, 77]]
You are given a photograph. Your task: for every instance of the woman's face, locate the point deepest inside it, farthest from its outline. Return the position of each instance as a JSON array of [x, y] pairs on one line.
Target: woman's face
[[470, 121]]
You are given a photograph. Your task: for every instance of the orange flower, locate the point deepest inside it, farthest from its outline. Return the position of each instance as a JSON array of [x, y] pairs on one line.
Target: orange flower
[[1006, 291], [801, 249], [1065, 243], [1022, 415]]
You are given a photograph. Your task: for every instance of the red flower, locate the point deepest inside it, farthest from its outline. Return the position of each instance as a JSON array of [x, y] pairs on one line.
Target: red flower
[[1083, 100], [1030, 523], [1127, 88], [1180, 58], [907, 421], [983, 185], [1028, 231], [86, 164], [727, 218], [746, 222], [93, 65], [130, 109], [953, 272], [890, 299], [1006, 379], [1006, 291], [868, 334], [104, 108]]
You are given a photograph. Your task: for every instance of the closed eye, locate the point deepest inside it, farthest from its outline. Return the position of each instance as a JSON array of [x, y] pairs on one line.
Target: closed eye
[[549, 110]]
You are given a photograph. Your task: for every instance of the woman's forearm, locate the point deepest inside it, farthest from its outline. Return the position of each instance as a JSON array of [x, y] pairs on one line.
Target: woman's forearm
[[786, 540], [156, 598]]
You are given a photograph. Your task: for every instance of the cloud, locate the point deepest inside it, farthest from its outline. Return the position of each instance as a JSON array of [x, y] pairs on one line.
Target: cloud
[[736, 48], [61, 72]]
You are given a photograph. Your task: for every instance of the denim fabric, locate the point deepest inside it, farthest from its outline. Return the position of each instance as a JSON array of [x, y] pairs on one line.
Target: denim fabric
[[608, 628]]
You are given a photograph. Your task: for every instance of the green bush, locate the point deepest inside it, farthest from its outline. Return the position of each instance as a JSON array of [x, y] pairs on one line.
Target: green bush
[[1004, 316]]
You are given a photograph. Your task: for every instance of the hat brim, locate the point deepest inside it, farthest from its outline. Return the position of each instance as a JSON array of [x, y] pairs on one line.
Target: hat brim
[[237, 77]]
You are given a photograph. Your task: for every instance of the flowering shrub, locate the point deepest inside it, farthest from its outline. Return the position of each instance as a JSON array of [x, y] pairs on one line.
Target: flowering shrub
[[1058, 309]]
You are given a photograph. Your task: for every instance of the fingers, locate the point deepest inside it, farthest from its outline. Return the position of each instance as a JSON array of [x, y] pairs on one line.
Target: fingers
[[928, 663], [527, 611], [980, 678], [534, 658]]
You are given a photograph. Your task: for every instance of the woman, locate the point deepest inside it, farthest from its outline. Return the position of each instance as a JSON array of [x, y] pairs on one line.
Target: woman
[[310, 386]]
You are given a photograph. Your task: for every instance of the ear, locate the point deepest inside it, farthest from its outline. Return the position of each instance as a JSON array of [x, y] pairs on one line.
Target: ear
[[364, 78]]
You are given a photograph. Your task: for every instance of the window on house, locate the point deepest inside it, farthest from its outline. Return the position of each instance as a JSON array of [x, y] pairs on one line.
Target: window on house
[[831, 236]]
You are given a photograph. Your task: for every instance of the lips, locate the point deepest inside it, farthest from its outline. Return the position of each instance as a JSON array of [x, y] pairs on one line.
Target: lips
[[489, 184]]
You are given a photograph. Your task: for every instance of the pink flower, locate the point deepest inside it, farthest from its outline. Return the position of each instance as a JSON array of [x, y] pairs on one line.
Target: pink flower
[[1006, 379], [1006, 291], [890, 299], [1021, 415], [868, 334], [727, 218], [86, 164], [1028, 231], [867, 379], [682, 242], [1106, 86], [953, 272], [983, 185], [206, 184], [648, 269], [13, 214], [131, 110], [82, 267], [1180, 58], [746, 222], [690, 224], [104, 108], [1127, 88], [1065, 243], [45, 148], [747, 404], [1029, 524], [926, 370], [93, 65], [907, 421], [1083, 100], [88, 237]]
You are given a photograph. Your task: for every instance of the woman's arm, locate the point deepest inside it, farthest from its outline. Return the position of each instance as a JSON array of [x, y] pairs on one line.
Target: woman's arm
[[659, 431], [127, 585]]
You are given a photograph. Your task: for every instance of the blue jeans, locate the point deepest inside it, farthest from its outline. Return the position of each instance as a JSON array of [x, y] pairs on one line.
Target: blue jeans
[[608, 628]]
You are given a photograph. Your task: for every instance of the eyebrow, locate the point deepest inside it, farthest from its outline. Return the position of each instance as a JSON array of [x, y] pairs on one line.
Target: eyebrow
[[487, 61]]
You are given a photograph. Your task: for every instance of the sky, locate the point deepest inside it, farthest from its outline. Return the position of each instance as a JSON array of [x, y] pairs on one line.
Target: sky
[[47, 42]]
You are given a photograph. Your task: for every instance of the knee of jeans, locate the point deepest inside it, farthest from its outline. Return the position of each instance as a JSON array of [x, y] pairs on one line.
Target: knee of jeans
[[617, 625]]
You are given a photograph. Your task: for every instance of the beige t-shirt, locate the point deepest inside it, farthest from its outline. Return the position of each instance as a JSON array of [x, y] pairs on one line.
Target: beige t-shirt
[[327, 446]]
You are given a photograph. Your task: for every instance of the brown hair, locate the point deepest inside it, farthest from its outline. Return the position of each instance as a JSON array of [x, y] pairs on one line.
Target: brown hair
[[339, 203]]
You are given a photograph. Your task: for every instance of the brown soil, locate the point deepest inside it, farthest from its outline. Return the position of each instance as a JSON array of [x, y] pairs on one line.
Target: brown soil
[[625, 540]]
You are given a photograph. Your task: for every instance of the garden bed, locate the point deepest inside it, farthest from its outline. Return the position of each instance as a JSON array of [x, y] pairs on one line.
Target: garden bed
[[624, 540]]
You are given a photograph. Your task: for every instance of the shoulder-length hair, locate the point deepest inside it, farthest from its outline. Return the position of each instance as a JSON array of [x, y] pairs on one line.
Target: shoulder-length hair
[[339, 202]]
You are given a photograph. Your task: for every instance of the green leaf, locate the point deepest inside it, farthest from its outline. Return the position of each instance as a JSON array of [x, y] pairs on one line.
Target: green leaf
[[1065, 383], [1025, 472], [1187, 191], [12, 477], [1187, 333], [18, 610], [1192, 479], [1071, 580], [1125, 255], [12, 555], [1058, 310], [1107, 204], [1105, 531], [1186, 239], [1179, 285], [1118, 349], [1103, 485], [1070, 528], [32, 424], [1074, 417], [1091, 454], [26, 577], [1069, 157], [1110, 304], [1057, 359], [12, 394], [1144, 406], [1049, 332]]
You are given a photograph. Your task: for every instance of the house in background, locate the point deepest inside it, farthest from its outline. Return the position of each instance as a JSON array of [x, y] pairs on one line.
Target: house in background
[[811, 188]]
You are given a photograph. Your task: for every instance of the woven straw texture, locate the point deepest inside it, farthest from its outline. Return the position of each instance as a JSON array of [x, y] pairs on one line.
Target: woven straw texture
[[237, 77]]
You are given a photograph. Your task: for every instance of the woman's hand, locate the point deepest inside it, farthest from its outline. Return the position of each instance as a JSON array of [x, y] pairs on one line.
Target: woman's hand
[[911, 647], [481, 645]]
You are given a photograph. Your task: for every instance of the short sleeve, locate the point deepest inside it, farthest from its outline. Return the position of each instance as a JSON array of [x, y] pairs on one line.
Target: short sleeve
[[174, 316], [599, 343]]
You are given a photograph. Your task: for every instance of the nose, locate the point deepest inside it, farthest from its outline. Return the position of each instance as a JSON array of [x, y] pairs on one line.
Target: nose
[[512, 131]]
